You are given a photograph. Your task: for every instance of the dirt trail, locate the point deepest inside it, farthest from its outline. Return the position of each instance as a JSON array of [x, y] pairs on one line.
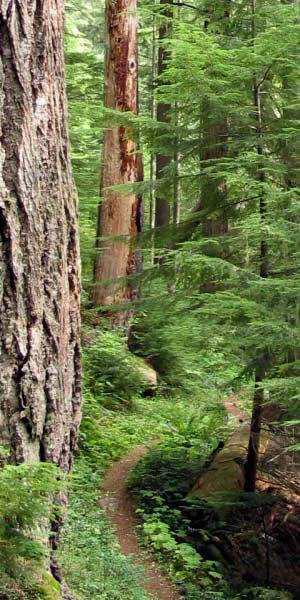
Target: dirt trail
[[232, 408], [120, 509]]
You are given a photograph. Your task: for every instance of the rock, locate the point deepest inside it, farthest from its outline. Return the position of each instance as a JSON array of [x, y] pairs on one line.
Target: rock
[[148, 374]]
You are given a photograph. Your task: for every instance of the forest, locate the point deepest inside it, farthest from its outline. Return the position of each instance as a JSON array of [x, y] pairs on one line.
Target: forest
[[149, 300]]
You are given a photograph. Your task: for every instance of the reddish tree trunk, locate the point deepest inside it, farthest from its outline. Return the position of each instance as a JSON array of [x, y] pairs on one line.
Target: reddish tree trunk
[[39, 257], [119, 214]]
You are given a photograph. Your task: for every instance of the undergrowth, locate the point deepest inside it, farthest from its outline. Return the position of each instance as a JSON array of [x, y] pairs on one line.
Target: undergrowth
[[92, 562], [186, 534], [26, 494], [161, 481], [182, 430]]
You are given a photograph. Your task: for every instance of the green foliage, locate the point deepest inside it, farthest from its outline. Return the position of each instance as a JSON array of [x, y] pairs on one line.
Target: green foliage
[[161, 481], [170, 468], [49, 588], [185, 351], [105, 436], [111, 372], [206, 319], [26, 505], [84, 65], [162, 541]]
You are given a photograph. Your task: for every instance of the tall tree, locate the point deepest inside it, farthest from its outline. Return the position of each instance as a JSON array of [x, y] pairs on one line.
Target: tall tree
[[214, 139], [163, 156], [39, 257], [261, 361], [119, 214], [152, 114]]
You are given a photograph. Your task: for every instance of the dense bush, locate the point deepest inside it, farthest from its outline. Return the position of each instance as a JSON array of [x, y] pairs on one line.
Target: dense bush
[[166, 470], [169, 469]]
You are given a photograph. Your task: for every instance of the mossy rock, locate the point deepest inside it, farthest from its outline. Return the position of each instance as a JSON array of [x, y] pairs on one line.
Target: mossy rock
[[147, 373], [49, 588]]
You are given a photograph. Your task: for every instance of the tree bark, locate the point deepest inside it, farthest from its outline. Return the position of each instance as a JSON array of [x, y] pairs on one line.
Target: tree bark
[[119, 214], [39, 254], [226, 471]]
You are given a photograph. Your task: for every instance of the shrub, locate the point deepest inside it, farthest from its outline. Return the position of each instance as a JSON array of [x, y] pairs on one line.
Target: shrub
[[166, 472]]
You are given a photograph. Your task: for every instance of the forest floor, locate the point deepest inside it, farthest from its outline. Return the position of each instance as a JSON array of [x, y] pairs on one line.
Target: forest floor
[[120, 509], [93, 564], [100, 554]]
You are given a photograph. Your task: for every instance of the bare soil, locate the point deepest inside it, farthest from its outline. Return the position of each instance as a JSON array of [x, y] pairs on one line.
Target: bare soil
[[120, 509]]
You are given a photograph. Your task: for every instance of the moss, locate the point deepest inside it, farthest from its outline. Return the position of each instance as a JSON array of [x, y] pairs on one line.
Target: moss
[[49, 588]]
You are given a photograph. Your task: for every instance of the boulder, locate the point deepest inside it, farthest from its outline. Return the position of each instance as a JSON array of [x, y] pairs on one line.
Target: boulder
[[148, 374]]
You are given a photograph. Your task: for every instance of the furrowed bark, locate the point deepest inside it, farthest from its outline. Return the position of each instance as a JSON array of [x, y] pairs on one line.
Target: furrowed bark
[[119, 215], [39, 255]]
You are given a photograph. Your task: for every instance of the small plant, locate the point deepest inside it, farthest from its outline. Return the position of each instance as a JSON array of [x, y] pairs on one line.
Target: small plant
[[185, 563]]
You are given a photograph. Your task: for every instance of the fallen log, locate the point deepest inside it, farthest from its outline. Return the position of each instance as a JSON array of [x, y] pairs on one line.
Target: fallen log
[[226, 474]]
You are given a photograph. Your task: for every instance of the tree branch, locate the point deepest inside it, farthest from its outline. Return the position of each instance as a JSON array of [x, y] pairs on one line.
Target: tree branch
[[185, 4]]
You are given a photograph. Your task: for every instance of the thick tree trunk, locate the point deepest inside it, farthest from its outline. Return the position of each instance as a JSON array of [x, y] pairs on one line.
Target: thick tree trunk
[[226, 471], [39, 256], [119, 215]]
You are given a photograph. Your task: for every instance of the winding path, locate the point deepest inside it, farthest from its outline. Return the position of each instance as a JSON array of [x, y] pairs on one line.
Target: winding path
[[120, 509]]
